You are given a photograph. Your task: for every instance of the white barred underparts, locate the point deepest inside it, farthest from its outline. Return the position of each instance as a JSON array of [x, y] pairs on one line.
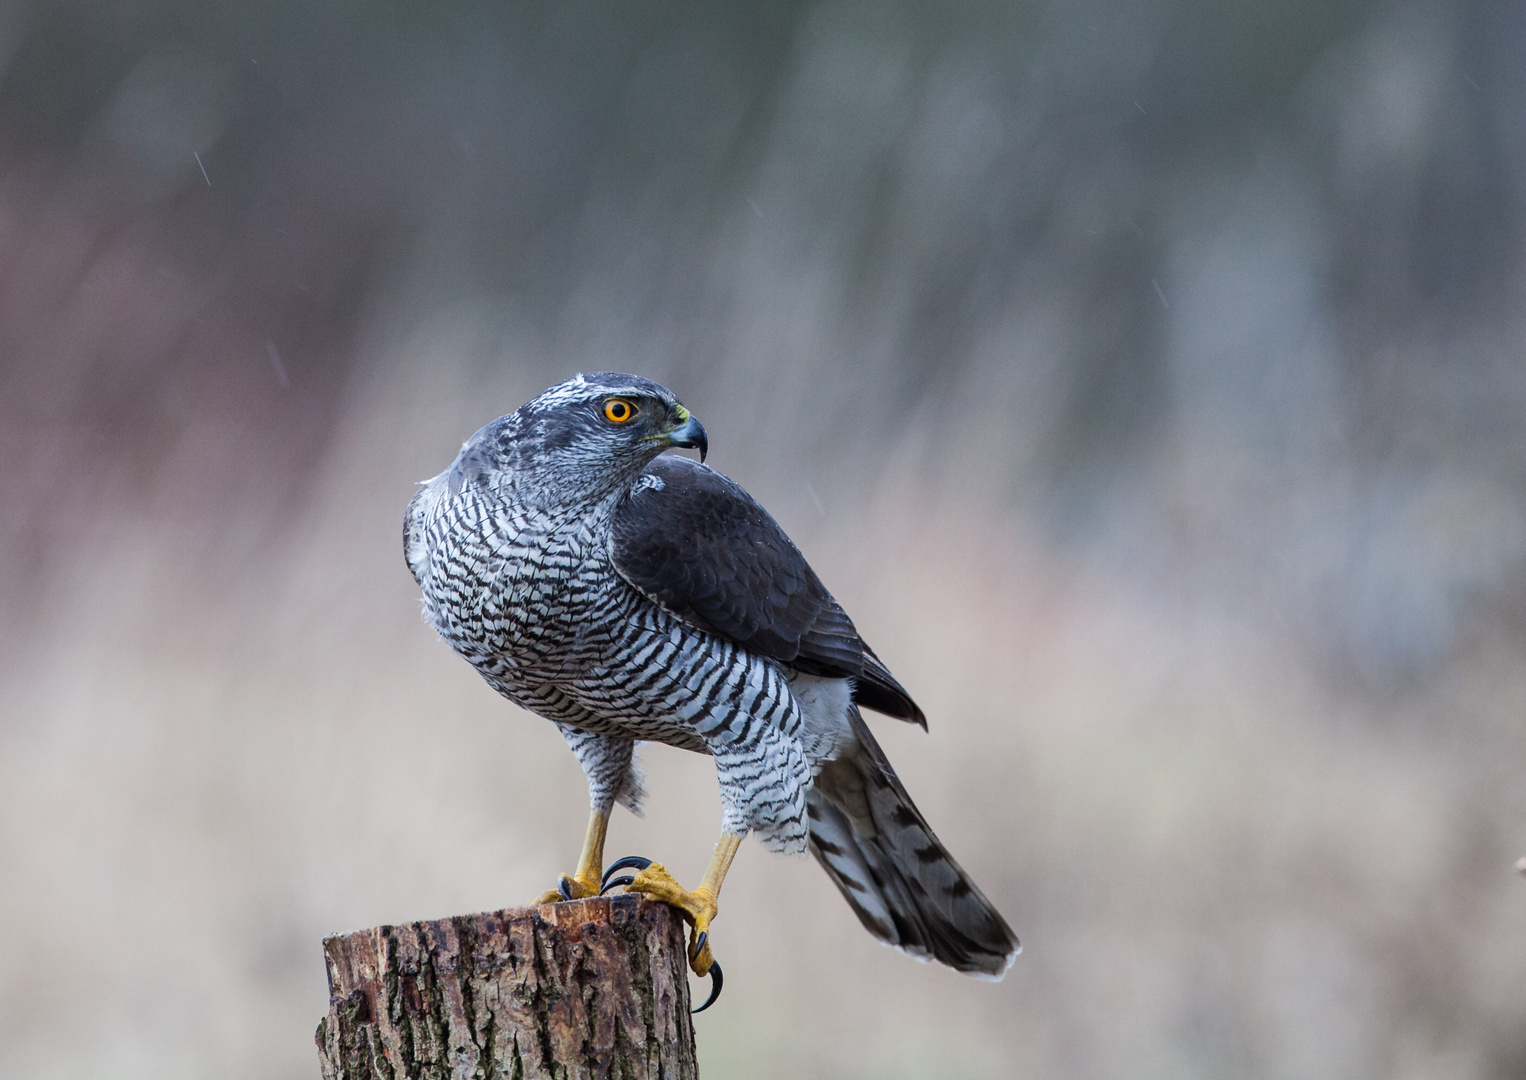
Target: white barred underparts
[[627, 595]]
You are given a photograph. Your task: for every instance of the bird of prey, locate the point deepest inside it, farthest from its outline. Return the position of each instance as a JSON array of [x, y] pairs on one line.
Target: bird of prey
[[630, 596]]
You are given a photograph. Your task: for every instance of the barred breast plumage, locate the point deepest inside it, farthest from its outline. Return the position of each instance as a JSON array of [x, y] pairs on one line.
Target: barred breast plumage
[[630, 597]]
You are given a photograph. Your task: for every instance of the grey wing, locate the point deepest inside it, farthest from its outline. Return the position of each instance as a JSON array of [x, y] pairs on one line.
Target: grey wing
[[697, 544]]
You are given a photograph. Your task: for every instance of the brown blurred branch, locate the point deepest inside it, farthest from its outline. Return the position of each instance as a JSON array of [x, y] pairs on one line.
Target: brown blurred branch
[[590, 988]]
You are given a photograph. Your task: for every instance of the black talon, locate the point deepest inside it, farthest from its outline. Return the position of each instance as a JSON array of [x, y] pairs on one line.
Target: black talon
[[564, 888], [626, 880], [630, 862], [715, 986], [716, 979]]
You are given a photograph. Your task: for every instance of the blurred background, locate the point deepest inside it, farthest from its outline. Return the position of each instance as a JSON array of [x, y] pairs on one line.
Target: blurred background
[[1145, 376]]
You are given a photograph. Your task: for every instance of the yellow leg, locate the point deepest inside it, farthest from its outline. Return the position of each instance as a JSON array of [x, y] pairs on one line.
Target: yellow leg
[[585, 880], [699, 906]]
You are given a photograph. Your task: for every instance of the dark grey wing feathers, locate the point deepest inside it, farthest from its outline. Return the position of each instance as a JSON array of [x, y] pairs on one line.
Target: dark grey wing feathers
[[877, 689], [697, 544]]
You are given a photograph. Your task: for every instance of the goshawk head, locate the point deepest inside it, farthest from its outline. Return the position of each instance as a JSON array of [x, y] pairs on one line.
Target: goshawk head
[[590, 432]]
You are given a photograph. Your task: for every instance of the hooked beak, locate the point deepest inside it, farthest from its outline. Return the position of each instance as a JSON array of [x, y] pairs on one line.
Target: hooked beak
[[690, 434]]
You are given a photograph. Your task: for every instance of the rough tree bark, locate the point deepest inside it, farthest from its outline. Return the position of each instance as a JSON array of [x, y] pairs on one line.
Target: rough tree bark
[[590, 988]]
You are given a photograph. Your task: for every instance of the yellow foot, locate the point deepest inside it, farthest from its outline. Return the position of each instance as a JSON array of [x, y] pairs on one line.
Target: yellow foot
[[698, 908], [569, 887]]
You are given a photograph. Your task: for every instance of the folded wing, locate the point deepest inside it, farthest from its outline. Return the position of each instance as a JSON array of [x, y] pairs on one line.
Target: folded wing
[[695, 543]]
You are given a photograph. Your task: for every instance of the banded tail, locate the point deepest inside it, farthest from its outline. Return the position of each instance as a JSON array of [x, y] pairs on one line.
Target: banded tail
[[899, 879]]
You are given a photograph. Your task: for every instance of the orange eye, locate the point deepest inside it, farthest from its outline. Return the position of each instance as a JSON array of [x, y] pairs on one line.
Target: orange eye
[[619, 411]]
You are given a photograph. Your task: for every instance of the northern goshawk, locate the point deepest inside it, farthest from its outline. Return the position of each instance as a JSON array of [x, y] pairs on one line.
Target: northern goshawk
[[629, 596]]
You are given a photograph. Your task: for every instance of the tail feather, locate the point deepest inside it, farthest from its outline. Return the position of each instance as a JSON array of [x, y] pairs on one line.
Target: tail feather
[[899, 879]]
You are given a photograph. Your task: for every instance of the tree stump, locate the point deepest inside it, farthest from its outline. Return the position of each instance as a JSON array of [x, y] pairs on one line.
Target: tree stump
[[589, 988]]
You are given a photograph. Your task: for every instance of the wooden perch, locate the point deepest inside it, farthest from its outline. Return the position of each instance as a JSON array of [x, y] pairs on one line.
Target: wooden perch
[[589, 988]]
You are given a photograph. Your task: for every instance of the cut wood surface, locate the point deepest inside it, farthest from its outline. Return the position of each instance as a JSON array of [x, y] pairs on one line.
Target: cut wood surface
[[588, 988]]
